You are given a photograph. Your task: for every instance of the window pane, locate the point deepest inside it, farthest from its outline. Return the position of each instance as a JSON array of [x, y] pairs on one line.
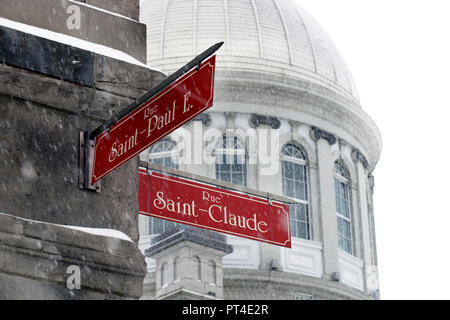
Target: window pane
[[224, 176], [300, 190], [237, 168], [231, 161], [301, 213], [347, 229], [295, 186], [338, 198], [343, 198], [289, 187], [289, 169], [240, 159], [294, 229], [237, 178], [292, 151], [298, 172], [303, 230], [162, 153]]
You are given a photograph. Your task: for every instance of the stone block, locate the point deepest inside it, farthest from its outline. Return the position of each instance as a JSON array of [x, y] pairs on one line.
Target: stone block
[[96, 26], [45, 90], [124, 79], [110, 268], [40, 151], [128, 8]]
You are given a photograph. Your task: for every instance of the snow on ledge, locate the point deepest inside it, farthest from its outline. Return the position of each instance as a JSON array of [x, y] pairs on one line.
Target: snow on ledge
[[112, 233], [100, 9], [72, 41]]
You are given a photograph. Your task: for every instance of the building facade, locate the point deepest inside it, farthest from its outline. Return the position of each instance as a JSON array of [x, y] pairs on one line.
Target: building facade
[[286, 120], [64, 72]]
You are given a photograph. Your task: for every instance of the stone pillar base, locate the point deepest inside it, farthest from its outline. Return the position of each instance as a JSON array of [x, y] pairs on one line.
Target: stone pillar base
[[40, 261]]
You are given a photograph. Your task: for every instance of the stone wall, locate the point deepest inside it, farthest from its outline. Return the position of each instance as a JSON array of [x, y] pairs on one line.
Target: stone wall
[[35, 258], [50, 92], [41, 117], [128, 8], [92, 25]]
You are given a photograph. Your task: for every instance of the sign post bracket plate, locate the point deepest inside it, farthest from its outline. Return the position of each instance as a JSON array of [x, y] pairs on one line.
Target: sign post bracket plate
[[86, 162]]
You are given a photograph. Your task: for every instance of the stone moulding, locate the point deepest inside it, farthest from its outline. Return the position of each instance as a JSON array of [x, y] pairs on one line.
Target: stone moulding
[[256, 120], [35, 257], [358, 156], [95, 24], [188, 233], [46, 57], [317, 134], [301, 101]]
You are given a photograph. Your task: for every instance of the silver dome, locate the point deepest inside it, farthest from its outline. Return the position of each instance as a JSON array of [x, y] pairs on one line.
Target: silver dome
[[261, 36]]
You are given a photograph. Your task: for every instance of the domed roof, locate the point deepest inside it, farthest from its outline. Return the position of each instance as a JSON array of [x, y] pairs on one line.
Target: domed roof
[[263, 36]]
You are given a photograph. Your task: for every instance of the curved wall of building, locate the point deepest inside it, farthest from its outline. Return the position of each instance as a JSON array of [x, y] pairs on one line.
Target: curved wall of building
[[278, 74]]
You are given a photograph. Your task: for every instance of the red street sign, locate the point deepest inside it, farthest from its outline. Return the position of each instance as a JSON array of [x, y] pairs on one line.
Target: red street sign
[[183, 100], [206, 206]]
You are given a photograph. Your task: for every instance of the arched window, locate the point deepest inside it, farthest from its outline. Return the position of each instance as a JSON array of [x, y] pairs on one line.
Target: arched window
[[176, 268], [343, 207], [295, 185], [198, 266], [164, 153], [213, 271], [231, 160], [164, 275]]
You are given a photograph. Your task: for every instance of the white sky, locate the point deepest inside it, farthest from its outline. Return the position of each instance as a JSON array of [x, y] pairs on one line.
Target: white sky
[[399, 54]]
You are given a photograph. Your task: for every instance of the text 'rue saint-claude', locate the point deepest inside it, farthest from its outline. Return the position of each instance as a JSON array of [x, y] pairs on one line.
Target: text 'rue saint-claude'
[[216, 211]]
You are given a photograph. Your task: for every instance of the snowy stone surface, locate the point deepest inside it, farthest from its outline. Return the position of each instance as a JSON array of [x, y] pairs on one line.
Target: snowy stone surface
[[40, 260], [100, 9], [102, 232], [95, 231], [71, 41]]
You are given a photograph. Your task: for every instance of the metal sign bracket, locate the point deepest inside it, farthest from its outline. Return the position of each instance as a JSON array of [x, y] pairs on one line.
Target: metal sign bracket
[[86, 162]]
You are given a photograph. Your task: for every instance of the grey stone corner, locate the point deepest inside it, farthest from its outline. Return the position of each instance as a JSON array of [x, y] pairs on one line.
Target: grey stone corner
[[36, 259]]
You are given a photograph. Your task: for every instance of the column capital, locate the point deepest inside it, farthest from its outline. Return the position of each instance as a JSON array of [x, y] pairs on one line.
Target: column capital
[[317, 134], [358, 156], [256, 120]]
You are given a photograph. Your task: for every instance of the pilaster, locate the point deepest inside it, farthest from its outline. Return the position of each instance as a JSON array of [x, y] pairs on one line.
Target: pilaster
[[327, 202]]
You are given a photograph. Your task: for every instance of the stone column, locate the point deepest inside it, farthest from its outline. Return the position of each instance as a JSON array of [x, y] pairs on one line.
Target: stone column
[[267, 172], [327, 202]]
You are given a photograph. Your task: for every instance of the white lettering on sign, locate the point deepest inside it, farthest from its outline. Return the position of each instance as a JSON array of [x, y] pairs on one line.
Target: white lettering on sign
[[150, 111], [186, 106], [119, 148], [206, 196], [174, 206], [219, 214], [158, 122], [216, 212], [155, 123]]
